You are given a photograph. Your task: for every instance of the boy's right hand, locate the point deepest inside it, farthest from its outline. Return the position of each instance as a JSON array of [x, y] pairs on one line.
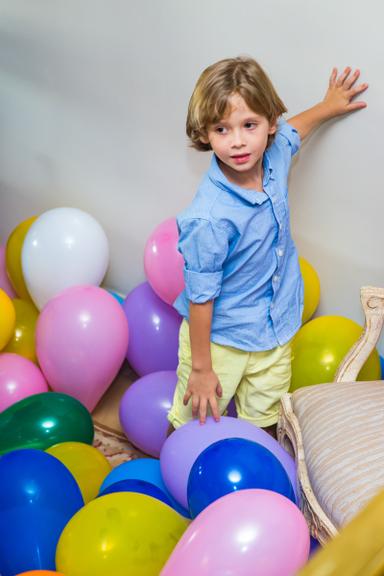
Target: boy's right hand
[[203, 387]]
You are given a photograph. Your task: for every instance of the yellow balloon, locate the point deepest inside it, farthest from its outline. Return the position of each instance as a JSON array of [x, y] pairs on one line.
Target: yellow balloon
[[320, 346], [22, 341], [87, 464], [13, 258], [7, 318], [119, 534], [311, 289]]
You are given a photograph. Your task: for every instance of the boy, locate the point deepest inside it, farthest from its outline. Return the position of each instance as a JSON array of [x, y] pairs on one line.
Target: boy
[[243, 296]]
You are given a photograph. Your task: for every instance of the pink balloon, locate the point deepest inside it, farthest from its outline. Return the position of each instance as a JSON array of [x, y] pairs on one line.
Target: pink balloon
[[81, 342], [4, 280], [243, 534], [19, 378], [163, 263]]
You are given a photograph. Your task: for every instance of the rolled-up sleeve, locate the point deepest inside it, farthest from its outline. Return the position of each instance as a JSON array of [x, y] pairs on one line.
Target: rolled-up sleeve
[[204, 246], [287, 137]]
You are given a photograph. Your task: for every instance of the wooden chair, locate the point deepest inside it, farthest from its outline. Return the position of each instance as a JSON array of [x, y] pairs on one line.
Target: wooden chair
[[336, 434]]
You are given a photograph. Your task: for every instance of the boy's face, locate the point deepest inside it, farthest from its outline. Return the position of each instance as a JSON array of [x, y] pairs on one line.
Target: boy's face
[[239, 141]]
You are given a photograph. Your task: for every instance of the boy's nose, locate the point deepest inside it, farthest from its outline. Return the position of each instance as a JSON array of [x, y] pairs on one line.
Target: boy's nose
[[237, 139]]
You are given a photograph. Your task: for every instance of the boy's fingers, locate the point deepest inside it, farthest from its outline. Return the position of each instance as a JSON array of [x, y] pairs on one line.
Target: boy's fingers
[[358, 90], [352, 79], [219, 390], [214, 408], [356, 106], [186, 398], [203, 410], [195, 406], [332, 78], [343, 76]]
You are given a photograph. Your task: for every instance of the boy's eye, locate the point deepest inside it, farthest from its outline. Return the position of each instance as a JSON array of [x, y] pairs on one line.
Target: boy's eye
[[250, 125], [220, 130]]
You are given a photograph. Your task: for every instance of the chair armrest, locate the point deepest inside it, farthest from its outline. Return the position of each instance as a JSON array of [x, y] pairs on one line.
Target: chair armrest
[[372, 300]]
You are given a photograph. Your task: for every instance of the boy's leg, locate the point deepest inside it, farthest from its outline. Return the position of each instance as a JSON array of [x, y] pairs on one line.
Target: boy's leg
[[267, 378], [229, 365]]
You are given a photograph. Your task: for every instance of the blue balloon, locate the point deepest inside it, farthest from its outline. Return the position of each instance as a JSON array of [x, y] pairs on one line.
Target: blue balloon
[[117, 296], [142, 469], [38, 497], [140, 486], [234, 464]]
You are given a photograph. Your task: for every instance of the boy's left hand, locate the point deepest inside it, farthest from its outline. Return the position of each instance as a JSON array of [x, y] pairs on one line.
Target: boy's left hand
[[341, 91]]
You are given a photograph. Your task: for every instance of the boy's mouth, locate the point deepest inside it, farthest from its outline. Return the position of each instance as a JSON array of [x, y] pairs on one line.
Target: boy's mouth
[[240, 158]]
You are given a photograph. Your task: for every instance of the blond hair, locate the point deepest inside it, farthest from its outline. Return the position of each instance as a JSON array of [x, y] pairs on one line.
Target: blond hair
[[217, 83]]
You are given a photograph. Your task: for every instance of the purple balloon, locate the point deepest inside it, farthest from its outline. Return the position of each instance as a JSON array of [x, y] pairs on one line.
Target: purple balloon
[[154, 331], [183, 446], [144, 408]]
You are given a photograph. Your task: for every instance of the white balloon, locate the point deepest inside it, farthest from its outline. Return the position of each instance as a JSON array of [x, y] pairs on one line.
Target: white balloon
[[64, 247]]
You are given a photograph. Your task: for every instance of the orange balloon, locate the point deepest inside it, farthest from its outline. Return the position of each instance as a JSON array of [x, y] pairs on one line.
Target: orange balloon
[[39, 573]]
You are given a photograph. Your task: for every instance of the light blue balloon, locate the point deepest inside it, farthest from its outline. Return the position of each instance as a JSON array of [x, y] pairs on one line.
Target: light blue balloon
[[147, 469], [119, 298]]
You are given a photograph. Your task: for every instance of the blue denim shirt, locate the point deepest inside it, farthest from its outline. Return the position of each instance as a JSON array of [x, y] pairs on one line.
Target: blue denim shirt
[[238, 250]]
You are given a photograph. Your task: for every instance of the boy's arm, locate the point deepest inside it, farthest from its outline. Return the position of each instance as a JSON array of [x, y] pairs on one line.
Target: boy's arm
[[203, 384], [337, 101]]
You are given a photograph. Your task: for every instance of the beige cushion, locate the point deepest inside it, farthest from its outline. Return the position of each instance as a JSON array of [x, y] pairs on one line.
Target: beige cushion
[[342, 426]]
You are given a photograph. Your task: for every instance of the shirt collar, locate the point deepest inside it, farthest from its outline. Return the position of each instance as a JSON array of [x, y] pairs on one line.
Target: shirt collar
[[252, 196]]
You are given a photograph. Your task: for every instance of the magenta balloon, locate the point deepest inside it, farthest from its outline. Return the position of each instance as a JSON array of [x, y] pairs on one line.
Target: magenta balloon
[[154, 331], [243, 534], [183, 446], [144, 408], [19, 378], [81, 341], [4, 281], [163, 264]]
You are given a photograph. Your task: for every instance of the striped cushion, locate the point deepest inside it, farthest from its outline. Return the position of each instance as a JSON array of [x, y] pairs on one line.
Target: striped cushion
[[342, 426]]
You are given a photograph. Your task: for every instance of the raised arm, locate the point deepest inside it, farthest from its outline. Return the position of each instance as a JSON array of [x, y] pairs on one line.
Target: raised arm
[[337, 102]]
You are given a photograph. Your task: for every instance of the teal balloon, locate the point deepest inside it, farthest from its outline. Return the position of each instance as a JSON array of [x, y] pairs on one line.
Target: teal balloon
[[119, 298], [42, 420]]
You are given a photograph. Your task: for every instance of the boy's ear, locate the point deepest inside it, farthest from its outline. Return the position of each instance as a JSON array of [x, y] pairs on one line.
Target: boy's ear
[[204, 139], [272, 127]]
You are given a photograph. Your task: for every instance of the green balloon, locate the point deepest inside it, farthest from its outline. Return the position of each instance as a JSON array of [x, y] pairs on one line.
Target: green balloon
[[41, 420]]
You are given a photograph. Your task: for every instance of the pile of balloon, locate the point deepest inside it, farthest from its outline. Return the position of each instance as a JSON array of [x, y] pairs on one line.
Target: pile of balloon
[[214, 499]]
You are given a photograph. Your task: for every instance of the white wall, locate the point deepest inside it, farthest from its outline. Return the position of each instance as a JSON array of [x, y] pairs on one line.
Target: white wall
[[93, 97]]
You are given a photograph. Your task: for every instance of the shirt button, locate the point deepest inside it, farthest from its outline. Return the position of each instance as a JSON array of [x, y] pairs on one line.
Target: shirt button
[[272, 306], [280, 252], [275, 278]]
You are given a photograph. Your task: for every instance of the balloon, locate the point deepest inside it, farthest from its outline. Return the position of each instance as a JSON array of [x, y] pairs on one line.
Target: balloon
[[154, 328], [144, 408], [231, 465], [319, 347], [163, 264], [183, 446], [64, 247], [37, 499], [19, 378], [4, 280], [81, 341], [87, 465], [23, 340], [143, 469], [246, 533], [13, 257], [311, 289], [138, 486], [40, 573], [119, 534], [42, 420], [7, 318], [119, 298]]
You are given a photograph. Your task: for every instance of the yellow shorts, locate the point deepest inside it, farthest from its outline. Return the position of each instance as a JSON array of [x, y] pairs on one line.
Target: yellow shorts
[[257, 381]]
